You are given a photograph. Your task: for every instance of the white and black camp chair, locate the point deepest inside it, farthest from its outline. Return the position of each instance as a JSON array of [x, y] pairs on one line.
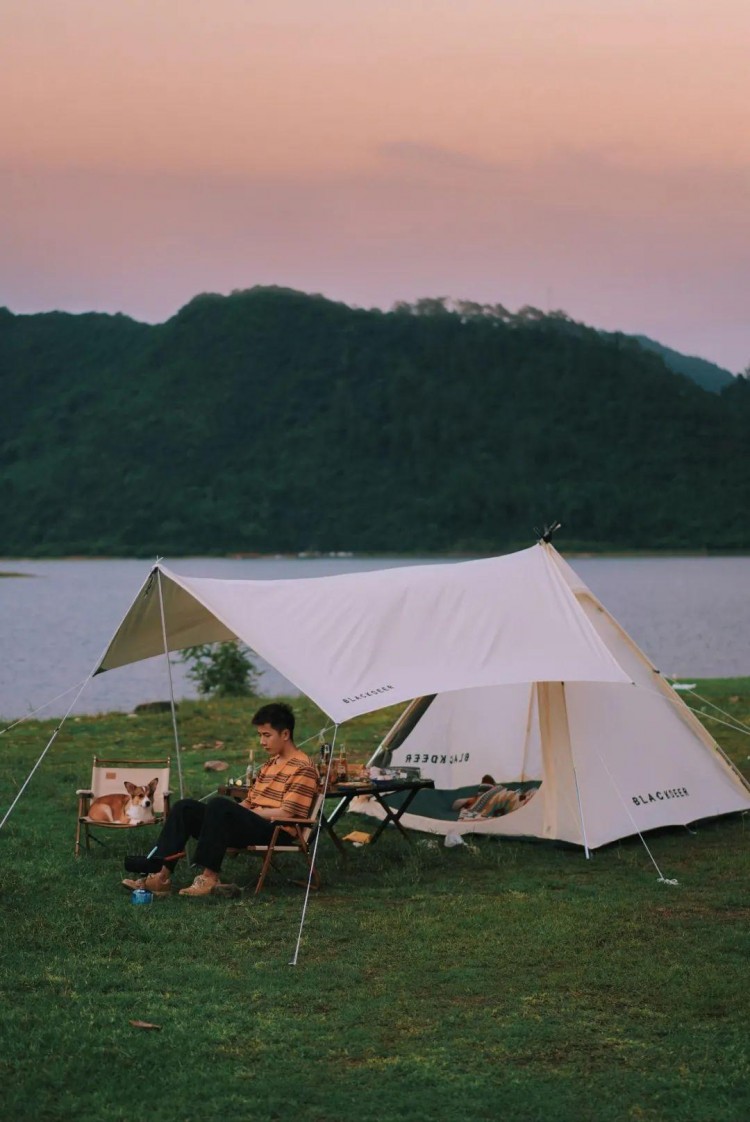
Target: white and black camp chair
[[108, 777]]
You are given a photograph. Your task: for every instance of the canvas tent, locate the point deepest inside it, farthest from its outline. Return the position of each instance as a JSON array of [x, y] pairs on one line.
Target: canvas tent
[[533, 682]]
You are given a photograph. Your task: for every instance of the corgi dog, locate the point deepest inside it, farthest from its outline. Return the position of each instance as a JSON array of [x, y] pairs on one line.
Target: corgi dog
[[131, 809]]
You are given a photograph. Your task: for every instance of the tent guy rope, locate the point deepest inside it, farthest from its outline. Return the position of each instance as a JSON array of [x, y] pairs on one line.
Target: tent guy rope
[[52, 700], [661, 878], [50, 742]]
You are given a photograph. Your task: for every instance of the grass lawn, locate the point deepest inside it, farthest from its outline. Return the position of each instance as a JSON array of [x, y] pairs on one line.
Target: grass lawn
[[498, 980]]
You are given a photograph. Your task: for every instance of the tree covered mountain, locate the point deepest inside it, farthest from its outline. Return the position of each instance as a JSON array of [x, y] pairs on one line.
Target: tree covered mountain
[[274, 420], [707, 374]]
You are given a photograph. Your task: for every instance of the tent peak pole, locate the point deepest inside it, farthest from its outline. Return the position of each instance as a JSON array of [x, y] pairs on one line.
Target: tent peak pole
[[545, 535]]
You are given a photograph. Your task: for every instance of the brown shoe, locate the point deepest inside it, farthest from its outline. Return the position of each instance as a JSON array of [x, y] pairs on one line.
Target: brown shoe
[[154, 882], [201, 886]]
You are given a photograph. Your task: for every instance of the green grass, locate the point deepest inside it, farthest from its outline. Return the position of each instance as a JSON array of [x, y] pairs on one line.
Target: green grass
[[499, 980]]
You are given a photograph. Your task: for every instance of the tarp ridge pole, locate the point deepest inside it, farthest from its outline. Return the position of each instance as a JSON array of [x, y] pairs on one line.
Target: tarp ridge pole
[[46, 750], [403, 727], [295, 956], [171, 687]]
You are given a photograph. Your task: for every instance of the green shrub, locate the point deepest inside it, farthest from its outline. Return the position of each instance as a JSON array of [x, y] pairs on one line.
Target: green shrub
[[222, 669]]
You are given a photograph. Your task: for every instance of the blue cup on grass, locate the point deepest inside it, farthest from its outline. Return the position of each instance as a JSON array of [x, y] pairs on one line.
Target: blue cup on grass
[[141, 896]]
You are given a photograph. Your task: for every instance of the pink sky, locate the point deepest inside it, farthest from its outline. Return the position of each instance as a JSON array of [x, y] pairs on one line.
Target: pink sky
[[589, 155]]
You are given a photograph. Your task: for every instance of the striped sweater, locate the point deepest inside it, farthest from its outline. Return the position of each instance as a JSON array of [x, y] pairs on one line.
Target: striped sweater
[[287, 784]]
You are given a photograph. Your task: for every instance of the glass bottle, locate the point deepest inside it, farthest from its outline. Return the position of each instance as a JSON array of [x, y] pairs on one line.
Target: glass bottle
[[250, 770], [325, 753]]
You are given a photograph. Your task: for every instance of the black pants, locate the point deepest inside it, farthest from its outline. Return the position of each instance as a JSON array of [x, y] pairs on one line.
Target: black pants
[[219, 824]]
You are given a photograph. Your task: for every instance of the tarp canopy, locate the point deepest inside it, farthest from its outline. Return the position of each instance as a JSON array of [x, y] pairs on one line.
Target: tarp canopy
[[361, 641], [518, 672]]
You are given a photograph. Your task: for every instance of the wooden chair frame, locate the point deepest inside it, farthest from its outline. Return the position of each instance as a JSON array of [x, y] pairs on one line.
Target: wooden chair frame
[[109, 785]]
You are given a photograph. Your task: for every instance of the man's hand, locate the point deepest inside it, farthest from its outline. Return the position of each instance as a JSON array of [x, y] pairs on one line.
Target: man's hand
[[269, 812]]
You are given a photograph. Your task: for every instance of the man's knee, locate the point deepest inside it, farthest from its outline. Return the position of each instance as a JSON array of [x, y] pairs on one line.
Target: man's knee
[[184, 804], [219, 807]]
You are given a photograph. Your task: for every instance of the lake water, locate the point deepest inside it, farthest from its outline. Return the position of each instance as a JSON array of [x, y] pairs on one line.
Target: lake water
[[691, 615]]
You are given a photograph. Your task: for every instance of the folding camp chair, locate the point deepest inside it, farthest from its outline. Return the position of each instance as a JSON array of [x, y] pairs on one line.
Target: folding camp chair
[[108, 777], [303, 842]]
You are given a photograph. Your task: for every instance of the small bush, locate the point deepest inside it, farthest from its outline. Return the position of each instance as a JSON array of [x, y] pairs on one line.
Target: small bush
[[221, 669]]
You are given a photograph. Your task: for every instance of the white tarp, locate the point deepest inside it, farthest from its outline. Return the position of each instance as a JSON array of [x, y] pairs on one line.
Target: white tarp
[[535, 683], [361, 641]]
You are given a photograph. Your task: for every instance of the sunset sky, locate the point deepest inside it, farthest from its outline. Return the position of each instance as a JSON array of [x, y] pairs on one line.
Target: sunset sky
[[588, 155]]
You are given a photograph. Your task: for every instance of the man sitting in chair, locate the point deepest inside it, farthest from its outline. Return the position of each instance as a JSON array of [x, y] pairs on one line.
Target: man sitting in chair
[[285, 788]]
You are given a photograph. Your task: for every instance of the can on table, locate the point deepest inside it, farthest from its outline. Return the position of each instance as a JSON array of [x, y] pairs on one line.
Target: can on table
[[141, 896]]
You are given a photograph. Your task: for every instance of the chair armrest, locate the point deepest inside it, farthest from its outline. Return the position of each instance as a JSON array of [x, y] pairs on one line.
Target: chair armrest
[[294, 821], [84, 802]]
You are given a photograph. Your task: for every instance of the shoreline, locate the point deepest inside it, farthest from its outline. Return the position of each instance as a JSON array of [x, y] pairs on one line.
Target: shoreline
[[581, 553], [738, 685]]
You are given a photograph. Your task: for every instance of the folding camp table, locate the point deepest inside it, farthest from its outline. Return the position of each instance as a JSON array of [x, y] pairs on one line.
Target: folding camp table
[[379, 790]]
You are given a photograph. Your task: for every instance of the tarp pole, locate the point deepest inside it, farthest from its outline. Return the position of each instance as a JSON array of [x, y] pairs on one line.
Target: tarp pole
[[171, 687], [318, 832], [403, 727], [529, 718]]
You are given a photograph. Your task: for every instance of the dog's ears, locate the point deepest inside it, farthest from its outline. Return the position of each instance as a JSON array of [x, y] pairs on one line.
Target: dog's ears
[[130, 788], [153, 785]]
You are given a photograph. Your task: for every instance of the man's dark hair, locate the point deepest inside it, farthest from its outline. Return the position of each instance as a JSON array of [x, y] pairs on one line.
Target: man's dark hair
[[277, 714]]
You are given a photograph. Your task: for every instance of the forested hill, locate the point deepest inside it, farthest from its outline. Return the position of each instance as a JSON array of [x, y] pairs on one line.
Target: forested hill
[[706, 374], [272, 420]]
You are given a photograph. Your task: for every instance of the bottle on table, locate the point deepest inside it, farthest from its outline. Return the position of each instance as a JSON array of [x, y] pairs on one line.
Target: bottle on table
[[342, 768], [250, 770], [325, 755]]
